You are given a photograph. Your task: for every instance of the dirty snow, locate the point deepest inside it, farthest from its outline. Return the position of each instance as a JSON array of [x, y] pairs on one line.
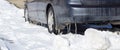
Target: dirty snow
[[16, 34]]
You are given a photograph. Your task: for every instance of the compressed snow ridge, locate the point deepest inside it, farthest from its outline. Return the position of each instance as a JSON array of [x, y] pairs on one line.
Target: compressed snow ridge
[[16, 34]]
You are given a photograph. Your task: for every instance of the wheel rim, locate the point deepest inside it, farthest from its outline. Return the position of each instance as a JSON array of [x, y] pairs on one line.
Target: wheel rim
[[50, 21]]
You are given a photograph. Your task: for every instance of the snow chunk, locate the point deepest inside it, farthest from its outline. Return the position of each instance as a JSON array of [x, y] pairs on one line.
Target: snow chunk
[[61, 43], [2, 45], [95, 40]]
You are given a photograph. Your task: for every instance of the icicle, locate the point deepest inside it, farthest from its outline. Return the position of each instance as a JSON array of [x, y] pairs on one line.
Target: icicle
[[75, 26], [41, 24], [44, 25], [59, 32], [68, 28]]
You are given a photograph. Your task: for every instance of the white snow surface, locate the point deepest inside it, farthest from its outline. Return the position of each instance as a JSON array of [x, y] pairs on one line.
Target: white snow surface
[[16, 34]]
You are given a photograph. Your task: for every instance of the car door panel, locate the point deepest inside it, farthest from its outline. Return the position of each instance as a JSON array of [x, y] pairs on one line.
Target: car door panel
[[41, 7], [32, 10]]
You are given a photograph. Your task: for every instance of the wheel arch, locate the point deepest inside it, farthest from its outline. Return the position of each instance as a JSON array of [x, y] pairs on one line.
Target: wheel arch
[[47, 7]]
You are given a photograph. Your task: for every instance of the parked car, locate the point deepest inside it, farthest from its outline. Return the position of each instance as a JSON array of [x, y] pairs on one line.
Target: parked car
[[60, 13]]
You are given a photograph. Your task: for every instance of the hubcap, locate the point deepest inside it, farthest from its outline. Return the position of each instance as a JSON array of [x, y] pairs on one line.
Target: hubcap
[[50, 20]]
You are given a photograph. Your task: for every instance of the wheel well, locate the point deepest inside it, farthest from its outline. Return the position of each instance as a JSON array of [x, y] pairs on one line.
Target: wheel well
[[48, 6]]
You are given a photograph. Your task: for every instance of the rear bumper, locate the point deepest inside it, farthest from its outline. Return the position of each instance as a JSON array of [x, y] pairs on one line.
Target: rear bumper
[[95, 11], [92, 19], [94, 14], [91, 15], [88, 19]]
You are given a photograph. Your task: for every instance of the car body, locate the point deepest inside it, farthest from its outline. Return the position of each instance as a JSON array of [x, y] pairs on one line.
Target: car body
[[74, 11]]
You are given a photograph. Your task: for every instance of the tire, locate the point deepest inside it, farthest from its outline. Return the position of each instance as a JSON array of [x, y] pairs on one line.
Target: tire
[[26, 15], [51, 22]]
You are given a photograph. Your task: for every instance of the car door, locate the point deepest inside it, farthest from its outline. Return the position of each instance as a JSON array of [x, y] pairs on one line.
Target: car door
[[32, 10], [41, 10]]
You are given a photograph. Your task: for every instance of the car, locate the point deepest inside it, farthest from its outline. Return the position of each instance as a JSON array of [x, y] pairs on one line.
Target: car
[[58, 14]]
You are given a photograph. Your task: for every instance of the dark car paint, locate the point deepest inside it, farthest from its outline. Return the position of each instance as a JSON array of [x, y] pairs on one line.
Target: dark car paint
[[79, 11]]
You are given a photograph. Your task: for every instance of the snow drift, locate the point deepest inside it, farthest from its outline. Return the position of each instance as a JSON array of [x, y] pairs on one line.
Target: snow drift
[[15, 34]]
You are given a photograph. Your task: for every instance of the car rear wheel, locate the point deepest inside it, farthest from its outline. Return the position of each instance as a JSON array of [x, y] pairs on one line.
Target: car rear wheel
[[26, 13], [51, 22]]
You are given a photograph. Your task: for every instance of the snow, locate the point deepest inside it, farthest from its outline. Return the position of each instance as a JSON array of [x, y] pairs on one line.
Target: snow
[[95, 40], [16, 34], [61, 43]]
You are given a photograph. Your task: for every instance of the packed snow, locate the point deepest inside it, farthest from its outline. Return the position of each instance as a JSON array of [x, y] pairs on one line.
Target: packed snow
[[16, 34]]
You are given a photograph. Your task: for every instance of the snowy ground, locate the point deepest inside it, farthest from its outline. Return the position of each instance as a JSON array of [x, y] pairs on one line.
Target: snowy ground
[[15, 34]]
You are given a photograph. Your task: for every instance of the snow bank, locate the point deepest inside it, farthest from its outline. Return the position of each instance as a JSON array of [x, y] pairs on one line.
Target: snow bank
[[15, 34], [61, 43], [94, 39]]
